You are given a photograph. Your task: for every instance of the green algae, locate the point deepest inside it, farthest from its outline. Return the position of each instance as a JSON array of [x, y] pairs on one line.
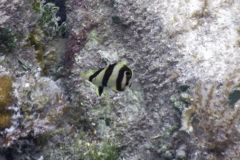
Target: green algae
[[46, 30], [35, 39], [97, 150], [78, 145], [7, 40], [47, 19], [234, 96], [45, 58], [116, 20], [42, 139], [49, 11], [50, 59], [107, 151], [36, 6], [94, 37], [183, 88]]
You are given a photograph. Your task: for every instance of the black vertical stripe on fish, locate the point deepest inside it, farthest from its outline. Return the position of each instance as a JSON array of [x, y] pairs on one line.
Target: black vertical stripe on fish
[[129, 76], [120, 78], [100, 90], [107, 74], [95, 74]]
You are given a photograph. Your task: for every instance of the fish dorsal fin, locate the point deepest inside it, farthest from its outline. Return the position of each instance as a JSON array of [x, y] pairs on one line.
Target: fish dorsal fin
[[123, 62]]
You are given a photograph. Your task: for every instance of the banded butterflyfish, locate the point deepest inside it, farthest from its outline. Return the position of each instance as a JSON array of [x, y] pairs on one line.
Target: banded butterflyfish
[[116, 76]]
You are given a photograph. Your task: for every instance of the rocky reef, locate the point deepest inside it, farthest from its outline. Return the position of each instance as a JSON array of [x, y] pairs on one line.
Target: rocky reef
[[184, 100]]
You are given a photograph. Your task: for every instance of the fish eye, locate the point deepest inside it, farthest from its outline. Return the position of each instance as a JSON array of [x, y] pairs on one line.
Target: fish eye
[[128, 73]]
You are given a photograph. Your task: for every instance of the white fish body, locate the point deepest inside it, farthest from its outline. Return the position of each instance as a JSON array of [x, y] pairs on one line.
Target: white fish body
[[116, 76]]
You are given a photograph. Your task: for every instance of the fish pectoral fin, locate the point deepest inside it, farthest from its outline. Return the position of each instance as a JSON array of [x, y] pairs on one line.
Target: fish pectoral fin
[[100, 90]]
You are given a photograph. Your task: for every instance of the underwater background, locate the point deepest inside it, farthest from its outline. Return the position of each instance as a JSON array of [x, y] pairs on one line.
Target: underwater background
[[184, 100]]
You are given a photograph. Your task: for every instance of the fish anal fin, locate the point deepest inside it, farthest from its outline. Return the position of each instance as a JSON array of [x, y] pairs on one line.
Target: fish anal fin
[[100, 90]]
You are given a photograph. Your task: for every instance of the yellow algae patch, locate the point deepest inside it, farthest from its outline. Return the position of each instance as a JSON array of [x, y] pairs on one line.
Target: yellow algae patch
[[5, 119], [5, 91]]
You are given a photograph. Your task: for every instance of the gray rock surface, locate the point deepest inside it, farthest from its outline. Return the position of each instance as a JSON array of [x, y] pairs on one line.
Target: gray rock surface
[[168, 44], [142, 112]]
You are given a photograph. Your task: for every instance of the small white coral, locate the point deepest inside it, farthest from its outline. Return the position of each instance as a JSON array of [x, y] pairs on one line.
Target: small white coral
[[186, 120]]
